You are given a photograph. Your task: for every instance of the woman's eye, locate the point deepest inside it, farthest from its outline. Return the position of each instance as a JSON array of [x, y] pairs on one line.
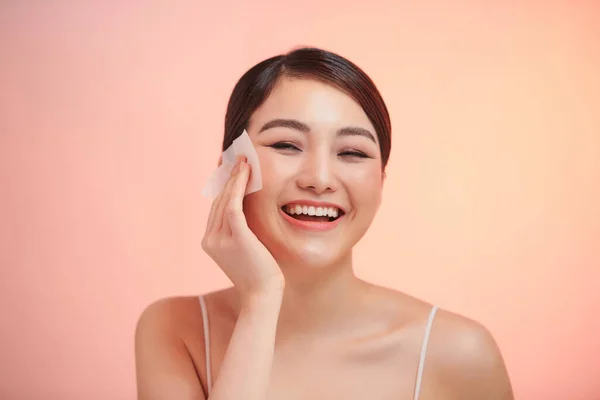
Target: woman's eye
[[357, 154], [291, 147], [285, 146]]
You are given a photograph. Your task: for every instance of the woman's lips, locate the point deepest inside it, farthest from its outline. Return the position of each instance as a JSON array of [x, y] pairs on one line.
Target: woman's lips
[[318, 226]]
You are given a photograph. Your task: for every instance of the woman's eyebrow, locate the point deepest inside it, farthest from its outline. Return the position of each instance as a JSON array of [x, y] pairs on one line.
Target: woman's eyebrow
[[285, 123], [356, 131], [302, 127]]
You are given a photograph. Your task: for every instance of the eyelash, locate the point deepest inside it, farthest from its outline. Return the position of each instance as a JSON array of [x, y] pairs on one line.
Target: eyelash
[[291, 146]]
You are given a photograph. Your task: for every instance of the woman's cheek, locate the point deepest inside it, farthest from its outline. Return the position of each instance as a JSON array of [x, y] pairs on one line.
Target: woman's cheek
[[365, 177], [277, 170], [365, 189]]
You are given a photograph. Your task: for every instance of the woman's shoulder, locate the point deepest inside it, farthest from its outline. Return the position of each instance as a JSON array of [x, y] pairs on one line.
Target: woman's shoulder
[[447, 327], [166, 321], [170, 309], [183, 311], [174, 325], [460, 340], [169, 339], [467, 357], [462, 351]]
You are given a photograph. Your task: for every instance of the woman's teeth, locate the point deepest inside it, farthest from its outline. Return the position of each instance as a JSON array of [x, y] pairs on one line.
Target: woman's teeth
[[312, 211]]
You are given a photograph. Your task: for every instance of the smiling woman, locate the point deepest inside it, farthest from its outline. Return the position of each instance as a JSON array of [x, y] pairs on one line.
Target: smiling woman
[[298, 323]]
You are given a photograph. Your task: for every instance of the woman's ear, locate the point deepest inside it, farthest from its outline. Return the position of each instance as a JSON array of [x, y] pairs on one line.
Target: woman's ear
[[383, 176], [220, 161]]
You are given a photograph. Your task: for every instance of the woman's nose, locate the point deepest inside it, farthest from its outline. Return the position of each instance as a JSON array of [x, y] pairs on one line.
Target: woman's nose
[[318, 174]]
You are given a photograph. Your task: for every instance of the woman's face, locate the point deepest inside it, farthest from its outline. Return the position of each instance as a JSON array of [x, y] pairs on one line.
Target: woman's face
[[317, 148]]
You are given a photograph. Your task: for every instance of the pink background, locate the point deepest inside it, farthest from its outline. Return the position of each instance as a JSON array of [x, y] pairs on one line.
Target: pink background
[[111, 118]]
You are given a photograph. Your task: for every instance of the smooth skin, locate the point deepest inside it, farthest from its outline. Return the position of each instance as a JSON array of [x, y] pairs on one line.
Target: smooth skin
[[297, 323]]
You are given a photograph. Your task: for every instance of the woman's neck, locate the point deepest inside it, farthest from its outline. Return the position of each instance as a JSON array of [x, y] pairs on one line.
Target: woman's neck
[[318, 299]]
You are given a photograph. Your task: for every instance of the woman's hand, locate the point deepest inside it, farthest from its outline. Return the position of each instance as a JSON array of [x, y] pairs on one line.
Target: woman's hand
[[234, 247]]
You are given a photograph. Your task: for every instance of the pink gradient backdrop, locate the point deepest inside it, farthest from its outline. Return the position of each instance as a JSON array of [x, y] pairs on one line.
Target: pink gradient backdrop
[[111, 120]]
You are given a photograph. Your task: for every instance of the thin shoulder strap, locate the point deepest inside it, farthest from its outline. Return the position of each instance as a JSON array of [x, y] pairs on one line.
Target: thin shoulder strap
[[206, 342], [424, 352]]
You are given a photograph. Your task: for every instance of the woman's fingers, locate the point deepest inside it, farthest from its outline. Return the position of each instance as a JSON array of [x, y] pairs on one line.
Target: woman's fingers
[[212, 214], [235, 209], [224, 227], [222, 206], [215, 219]]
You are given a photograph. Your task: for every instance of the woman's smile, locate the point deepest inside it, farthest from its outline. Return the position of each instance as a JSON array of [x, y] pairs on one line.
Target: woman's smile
[[312, 216]]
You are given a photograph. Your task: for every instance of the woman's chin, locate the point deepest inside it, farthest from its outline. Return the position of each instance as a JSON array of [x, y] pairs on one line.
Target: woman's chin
[[305, 252], [309, 258]]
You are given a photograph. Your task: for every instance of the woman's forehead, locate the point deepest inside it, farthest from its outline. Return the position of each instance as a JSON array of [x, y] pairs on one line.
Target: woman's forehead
[[312, 102]]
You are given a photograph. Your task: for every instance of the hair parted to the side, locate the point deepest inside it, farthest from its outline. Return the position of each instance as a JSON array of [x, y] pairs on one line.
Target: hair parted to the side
[[256, 84]]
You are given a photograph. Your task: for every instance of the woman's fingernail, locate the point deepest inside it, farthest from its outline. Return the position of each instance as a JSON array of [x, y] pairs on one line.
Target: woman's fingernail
[[238, 163]]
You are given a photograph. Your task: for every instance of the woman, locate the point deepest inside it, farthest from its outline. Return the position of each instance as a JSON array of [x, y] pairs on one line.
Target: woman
[[297, 323]]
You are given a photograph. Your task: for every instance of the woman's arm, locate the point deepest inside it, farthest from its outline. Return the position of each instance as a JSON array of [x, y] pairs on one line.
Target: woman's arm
[[246, 368], [165, 369], [228, 240]]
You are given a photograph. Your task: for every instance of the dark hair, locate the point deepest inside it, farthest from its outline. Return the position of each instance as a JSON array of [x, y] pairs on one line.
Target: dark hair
[[256, 84]]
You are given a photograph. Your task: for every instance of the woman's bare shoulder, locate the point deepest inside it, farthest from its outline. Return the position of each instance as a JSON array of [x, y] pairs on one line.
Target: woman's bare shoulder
[[169, 341], [452, 332], [462, 354], [182, 312], [466, 357]]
